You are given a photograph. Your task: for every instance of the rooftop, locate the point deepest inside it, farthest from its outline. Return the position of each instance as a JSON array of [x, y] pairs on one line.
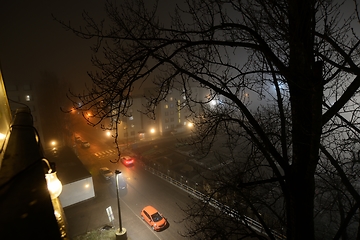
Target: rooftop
[[69, 167]]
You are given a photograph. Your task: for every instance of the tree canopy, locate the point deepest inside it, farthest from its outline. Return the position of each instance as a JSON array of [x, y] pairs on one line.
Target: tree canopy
[[298, 57]]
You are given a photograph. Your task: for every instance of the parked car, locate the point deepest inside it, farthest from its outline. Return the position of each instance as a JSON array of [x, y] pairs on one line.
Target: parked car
[[127, 161], [152, 217], [106, 173], [85, 144], [77, 139]]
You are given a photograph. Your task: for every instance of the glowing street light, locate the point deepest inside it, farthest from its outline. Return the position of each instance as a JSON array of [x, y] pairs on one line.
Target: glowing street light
[[53, 146], [152, 132]]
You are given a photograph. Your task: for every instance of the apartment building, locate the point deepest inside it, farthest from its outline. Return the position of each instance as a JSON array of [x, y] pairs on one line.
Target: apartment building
[[171, 115], [23, 94]]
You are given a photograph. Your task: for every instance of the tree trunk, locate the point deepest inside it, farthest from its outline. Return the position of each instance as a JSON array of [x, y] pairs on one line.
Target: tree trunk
[[306, 141], [305, 86], [300, 224]]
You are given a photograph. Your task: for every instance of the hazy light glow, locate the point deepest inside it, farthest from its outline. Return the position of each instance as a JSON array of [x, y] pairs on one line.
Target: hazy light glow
[[152, 130], [2, 136], [54, 185]]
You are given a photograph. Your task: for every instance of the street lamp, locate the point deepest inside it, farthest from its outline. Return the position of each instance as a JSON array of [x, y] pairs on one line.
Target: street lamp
[[152, 131], [53, 144], [121, 233]]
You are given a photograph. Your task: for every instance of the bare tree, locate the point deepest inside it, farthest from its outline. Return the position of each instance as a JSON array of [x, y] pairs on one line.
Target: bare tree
[[300, 57]]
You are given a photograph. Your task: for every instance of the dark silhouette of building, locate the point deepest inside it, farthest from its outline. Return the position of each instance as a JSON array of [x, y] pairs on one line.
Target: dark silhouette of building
[[27, 210]]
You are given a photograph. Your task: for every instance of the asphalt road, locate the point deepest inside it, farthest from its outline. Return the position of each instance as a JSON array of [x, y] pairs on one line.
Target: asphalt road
[[143, 188]]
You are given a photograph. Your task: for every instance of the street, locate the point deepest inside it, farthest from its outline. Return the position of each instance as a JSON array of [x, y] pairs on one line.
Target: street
[[143, 188]]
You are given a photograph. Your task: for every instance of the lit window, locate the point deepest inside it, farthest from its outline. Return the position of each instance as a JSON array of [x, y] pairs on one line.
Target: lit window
[[27, 98], [131, 118], [171, 98], [166, 106]]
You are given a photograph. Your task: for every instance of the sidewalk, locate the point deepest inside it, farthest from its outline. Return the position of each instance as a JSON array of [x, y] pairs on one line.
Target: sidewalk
[[89, 221]]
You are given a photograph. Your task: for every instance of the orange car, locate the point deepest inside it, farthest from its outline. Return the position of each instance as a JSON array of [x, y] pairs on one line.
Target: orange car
[[152, 217]]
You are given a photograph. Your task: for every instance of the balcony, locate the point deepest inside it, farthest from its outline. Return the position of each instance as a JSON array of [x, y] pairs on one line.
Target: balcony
[[26, 208]]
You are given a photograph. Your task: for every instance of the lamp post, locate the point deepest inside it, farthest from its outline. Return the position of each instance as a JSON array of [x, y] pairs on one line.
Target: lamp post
[[121, 233]]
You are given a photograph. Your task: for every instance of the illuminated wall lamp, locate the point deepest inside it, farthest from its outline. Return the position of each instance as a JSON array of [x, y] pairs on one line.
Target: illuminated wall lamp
[[53, 183]]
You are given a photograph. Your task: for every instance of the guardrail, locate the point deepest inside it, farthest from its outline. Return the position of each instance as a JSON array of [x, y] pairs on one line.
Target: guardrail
[[246, 220]]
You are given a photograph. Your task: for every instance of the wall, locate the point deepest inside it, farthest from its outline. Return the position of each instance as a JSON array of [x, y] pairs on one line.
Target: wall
[[76, 192]]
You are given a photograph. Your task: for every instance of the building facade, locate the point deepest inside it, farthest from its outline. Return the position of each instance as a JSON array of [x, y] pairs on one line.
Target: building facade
[[171, 115]]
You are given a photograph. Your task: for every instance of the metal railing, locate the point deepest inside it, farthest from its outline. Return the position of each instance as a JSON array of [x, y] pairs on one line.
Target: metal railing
[[213, 202]]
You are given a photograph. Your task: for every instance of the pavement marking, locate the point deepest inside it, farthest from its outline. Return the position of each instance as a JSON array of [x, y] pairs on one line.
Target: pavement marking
[[104, 153]]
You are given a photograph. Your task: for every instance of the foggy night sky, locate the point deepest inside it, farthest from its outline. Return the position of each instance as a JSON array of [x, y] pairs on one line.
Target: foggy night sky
[[31, 42]]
